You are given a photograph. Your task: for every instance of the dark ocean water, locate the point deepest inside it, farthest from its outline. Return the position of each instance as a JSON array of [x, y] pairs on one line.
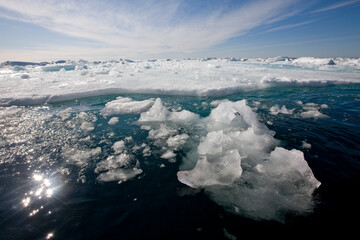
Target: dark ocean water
[[50, 192]]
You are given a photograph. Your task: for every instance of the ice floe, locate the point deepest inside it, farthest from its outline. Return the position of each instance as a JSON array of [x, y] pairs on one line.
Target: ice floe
[[124, 105], [34, 83]]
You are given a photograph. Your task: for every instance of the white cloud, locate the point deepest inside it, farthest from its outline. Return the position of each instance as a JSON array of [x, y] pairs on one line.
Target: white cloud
[[288, 26], [146, 27], [335, 6]]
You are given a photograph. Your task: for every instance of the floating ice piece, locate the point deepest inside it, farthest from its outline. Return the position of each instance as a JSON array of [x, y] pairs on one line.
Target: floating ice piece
[[124, 105], [113, 121], [146, 151], [240, 166], [87, 126], [305, 145], [118, 146], [158, 113], [275, 110], [64, 114], [79, 157], [312, 111], [323, 106], [168, 155], [313, 114], [114, 162], [120, 175]]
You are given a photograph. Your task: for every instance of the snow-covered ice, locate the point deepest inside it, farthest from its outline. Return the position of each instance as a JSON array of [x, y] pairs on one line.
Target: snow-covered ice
[[34, 84]]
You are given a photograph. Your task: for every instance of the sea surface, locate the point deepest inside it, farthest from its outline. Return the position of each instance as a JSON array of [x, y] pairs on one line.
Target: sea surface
[[86, 169]]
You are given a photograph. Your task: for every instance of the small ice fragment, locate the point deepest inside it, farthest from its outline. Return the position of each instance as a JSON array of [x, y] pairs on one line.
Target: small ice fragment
[[323, 106], [260, 168], [168, 155], [87, 126], [313, 114], [306, 145], [113, 121], [129, 139], [275, 110], [229, 235], [64, 114], [120, 175], [118, 146]]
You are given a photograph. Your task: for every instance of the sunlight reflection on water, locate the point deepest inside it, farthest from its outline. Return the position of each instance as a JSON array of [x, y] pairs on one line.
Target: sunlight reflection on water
[[39, 195]]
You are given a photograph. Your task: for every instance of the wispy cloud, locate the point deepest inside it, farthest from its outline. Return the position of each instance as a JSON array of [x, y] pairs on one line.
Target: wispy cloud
[[335, 6], [288, 26], [147, 27]]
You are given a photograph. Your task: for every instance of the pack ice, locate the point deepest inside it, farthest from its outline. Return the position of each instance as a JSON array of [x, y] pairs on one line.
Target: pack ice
[[37, 84], [237, 160]]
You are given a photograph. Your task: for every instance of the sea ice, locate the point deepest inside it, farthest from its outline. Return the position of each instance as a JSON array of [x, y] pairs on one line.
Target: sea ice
[[74, 80], [124, 105]]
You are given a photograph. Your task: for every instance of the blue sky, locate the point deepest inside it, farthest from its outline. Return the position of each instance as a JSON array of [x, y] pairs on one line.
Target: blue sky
[[45, 30]]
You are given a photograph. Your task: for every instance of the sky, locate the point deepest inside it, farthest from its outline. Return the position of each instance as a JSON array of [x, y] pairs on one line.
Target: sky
[[46, 30]]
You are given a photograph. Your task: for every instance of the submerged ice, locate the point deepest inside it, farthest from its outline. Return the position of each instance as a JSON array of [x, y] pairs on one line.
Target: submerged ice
[[236, 159]]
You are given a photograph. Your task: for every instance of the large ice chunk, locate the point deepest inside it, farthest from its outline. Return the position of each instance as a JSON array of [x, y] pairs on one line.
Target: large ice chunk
[[240, 166]]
